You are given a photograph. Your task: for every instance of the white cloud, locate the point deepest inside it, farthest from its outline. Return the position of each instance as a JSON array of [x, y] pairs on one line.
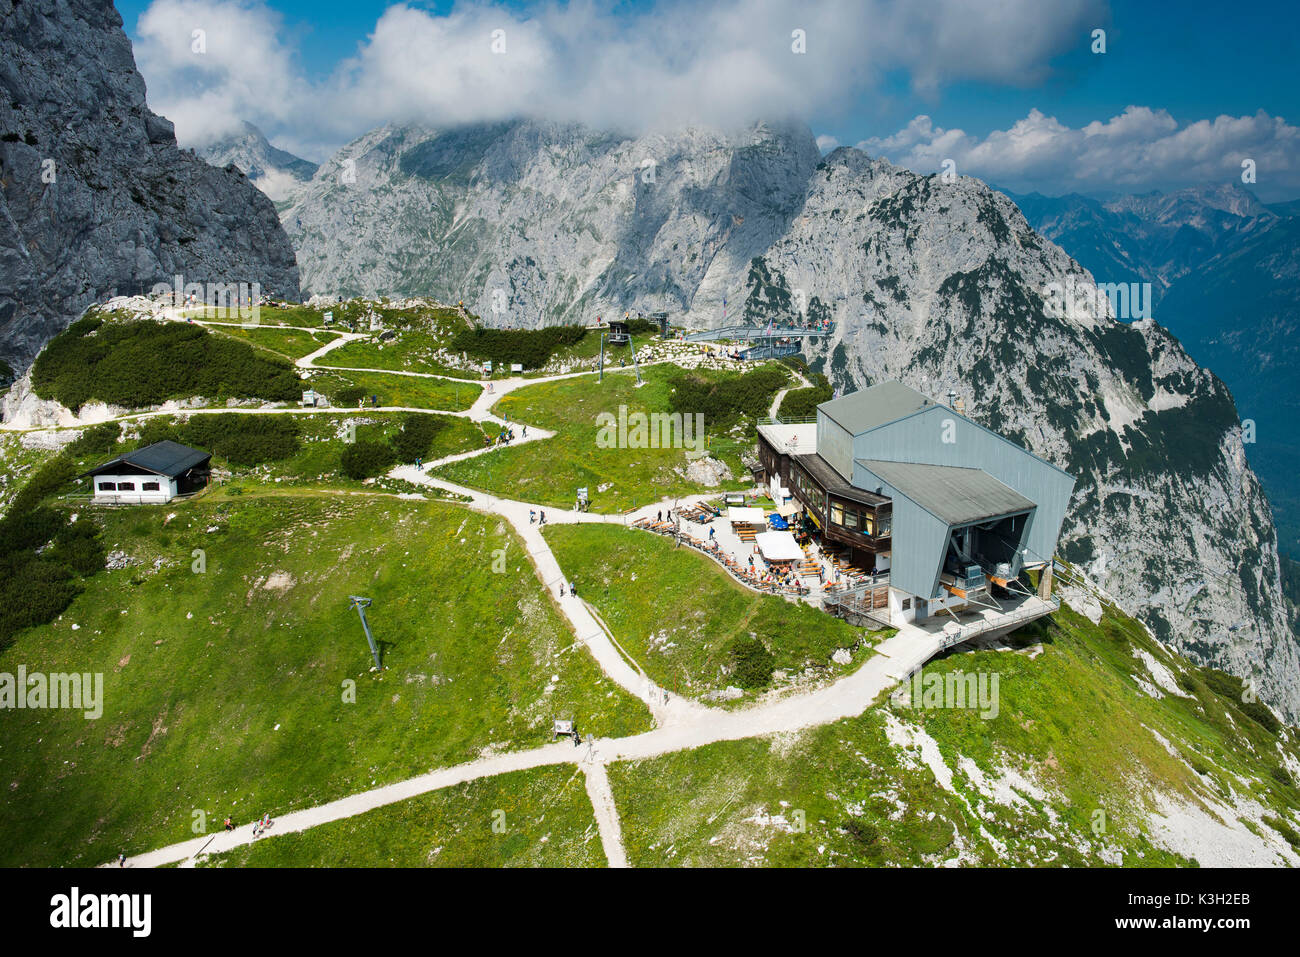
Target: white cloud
[[723, 63], [1138, 150], [826, 143]]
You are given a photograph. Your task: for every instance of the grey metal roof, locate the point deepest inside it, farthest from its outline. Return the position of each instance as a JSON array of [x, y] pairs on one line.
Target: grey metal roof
[[952, 494], [164, 458], [878, 405]]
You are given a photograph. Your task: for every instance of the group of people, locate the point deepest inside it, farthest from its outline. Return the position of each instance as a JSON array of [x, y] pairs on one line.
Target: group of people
[[539, 516]]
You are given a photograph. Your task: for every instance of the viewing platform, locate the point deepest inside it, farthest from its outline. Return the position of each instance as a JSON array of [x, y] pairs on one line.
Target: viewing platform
[[760, 332]]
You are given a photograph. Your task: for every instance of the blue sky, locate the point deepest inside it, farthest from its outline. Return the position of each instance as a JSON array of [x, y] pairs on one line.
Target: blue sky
[[870, 75]]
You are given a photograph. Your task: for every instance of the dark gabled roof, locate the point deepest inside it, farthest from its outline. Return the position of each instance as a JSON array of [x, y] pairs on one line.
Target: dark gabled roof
[[162, 458], [952, 494], [871, 408]]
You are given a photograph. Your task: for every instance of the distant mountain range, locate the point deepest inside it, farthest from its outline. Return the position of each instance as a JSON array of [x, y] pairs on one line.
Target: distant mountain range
[[937, 284], [1225, 276], [277, 173]]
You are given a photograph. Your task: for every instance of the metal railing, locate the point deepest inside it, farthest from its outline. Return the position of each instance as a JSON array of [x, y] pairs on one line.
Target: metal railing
[[758, 332], [1008, 620]]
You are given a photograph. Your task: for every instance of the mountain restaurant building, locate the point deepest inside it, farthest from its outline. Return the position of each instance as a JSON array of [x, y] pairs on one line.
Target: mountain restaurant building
[[915, 490], [154, 474]]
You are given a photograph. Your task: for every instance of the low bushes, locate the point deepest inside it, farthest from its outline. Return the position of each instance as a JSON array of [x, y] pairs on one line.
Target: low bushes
[[751, 663], [239, 438], [724, 400], [416, 436], [43, 555], [141, 363], [532, 348], [366, 458], [349, 395]]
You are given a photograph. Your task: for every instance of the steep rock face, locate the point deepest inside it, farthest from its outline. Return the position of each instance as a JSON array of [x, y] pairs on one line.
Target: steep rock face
[[533, 223], [939, 284], [96, 198]]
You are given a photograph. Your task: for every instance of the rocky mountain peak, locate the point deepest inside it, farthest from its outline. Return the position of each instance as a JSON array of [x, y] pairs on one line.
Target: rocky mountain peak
[[95, 197]]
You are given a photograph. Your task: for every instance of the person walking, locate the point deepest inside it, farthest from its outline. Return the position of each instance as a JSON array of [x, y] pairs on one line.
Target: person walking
[[542, 514], [531, 516]]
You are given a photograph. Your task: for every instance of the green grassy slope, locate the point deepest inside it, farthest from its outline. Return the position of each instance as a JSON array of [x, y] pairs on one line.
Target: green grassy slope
[[540, 818], [1075, 735], [225, 690], [550, 473], [677, 613]]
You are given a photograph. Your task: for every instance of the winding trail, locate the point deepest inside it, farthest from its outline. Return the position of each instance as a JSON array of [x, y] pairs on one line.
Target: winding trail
[[680, 723]]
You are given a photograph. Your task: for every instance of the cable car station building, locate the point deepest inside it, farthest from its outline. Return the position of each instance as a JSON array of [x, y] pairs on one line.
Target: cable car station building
[[915, 490]]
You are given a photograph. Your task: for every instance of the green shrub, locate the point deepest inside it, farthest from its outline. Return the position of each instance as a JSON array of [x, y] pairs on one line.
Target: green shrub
[[43, 555], [1262, 715], [722, 401], [416, 436], [243, 439], [1223, 684], [143, 362], [349, 395], [532, 348], [239, 438], [366, 458], [802, 403], [97, 440], [78, 546], [751, 663], [1283, 828]]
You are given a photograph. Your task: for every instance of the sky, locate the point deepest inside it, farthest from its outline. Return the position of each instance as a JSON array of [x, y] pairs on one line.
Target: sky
[[1017, 92]]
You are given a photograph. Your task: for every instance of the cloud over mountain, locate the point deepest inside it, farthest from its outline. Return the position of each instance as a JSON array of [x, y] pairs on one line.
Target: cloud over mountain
[[720, 64], [1139, 149]]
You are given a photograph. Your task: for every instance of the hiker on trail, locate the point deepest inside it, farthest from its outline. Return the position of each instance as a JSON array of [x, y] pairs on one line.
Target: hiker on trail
[[525, 431], [419, 466], [661, 516], [710, 533], [542, 513], [121, 860], [531, 516], [573, 589], [561, 589], [228, 825]]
